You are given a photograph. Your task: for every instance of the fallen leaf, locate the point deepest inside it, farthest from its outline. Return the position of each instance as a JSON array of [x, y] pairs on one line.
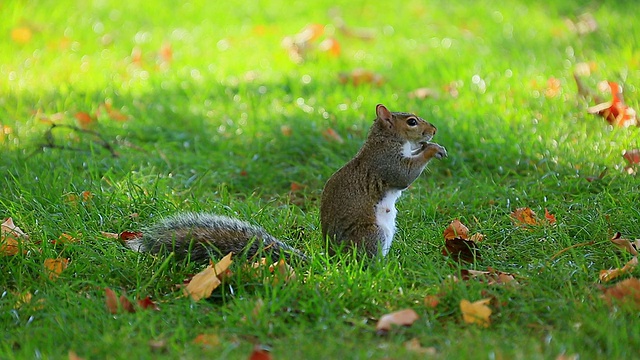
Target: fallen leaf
[[111, 301], [21, 35], [65, 239], [359, 77], [413, 345], [330, 46], [282, 272], [615, 111], [126, 304], [147, 303], [431, 301], [295, 186], [207, 340], [259, 353], [423, 93], [608, 275], [476, 312], [461, 250], [551, 219], [202, 284], [74, 356], [456, 230], [84, 119], [625, 244], [633, 159], [110, 235], [166, 52], [524, 216], [491, 276], [554, 86], [158, 346], [404, 317], [55, 266], [129, 235], [286, 130], [625, 292]]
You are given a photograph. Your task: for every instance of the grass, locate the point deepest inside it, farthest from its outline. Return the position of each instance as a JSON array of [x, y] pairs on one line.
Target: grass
[[204, 133]]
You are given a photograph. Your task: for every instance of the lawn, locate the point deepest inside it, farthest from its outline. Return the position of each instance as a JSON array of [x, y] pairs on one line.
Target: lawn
[[114, 114]]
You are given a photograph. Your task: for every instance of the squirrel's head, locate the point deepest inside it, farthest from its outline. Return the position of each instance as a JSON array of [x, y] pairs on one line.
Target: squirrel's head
[[404, 125]]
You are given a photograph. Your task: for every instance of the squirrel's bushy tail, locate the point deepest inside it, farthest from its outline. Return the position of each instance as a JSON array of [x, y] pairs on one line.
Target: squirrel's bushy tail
[[201, 236]]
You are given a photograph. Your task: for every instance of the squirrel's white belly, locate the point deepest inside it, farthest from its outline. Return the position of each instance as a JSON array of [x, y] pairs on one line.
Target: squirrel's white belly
[[386, 218]]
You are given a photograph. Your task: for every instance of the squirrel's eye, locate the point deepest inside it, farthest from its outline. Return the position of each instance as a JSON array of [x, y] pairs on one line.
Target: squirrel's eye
[[412, 121]]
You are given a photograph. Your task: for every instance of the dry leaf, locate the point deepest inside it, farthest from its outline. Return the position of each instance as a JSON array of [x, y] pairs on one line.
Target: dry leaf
[[282, 272], [332, 135], [431, 301], [554, 86], [633, 158], [360, 77], [491, 276], [404, 317], [625, 292], [625, 244], [330, 46], [524, 216], [74, 356], [203, 284], [413, 345], [608, 275], [456, 230], [286, 130], [55, 266], [423, 93], [476, 312], [550, 217], [616, 112], [84, 119], [259, 353], [207, 340], [111, 301], [65, 239], [147, 303]]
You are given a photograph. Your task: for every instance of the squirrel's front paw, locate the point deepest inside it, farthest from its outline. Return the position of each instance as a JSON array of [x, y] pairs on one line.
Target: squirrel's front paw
[[435, 150]]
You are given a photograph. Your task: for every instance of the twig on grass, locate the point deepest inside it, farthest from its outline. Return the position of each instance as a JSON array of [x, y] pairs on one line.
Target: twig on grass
[[571, 247], [51, 144]]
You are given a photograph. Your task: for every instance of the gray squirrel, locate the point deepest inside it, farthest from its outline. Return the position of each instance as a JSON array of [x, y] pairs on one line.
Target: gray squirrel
[[357, 210]]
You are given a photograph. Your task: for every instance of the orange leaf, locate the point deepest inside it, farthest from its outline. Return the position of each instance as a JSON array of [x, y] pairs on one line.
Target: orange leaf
[[166, 52], [524, 216], [202, 284], [456, 230], [476, 312], [625, 292], [111, 300], [331, 46], [84, 118], [404, 317], [259, 354], [65, 239], [207, 340], [21, 35], [360, 77], [550, 217], [431, 301], [554, 86], [55, 267], [10, 235], [615, 111], [295, 187]]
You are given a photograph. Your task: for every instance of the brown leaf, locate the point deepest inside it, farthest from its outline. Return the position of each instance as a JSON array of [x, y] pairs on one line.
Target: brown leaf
[[491, 276], [259, 353], [332, 135], [147, 303], [431, 301], [524, 216], [476, 312], [65, 239], [456, 230], [625, 292], [55, 266], [413, 345], [207, 340], [404, 317], [129, 235], [461, 250], [423, 93], [608, 275], [286, 130], [111, 300], [361, 77], [126, 304], [202, 284], [74, 356], [625, 244]]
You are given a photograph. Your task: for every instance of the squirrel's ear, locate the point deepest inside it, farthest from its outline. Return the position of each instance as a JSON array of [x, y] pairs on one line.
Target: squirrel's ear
[[383, 113]]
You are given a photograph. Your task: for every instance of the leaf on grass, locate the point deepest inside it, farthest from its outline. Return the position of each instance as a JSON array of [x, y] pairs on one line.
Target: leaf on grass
[[524, 216], [147, 303], [492, 276], [115, 303], [404, 317], [207, 340], [431, 301], [54, 267], [111, 301], [74, 356], [633, 159], [414, 346], [424, 93], [616, 112], [280, 270], [202, 284], [608, 275], [330, 46], [554, 87], [625, 244], [458, 246], [84, 119], [21, 35], [259, 353], [65, 238], [286, 130], [476, 312], [625, 292], [25, 299], [359, 77]]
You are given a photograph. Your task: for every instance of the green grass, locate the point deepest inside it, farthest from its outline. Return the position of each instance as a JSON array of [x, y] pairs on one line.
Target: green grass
[[204, 134]]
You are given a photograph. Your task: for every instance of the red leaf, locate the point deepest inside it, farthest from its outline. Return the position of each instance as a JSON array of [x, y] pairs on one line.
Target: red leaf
[[129, 235], [550, 217], [632, 156], [147, 303], [259, 354]]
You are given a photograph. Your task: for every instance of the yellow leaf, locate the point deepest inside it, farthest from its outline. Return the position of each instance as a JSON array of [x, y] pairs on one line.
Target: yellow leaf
[[207, 280], [476, 312], [21, 35], [55, 266], [608, 275]]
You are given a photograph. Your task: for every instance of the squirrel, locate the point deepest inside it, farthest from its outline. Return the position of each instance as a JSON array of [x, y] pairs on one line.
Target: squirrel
[[357, 206]]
